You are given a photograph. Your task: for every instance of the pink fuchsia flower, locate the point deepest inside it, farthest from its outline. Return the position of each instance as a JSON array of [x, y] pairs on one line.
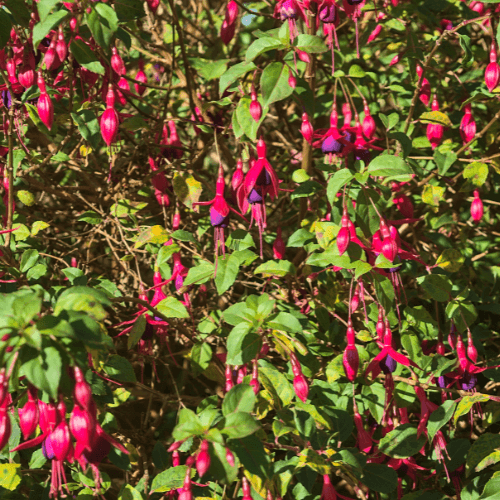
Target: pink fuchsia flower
[[255, 107], [29, 414], [352, 9], [425, 89], [254, 381], [109, 119], [328, 492], [279, 247], [141, 78], [229, 25], [61, 46], [426, 408], [306, 128], [369, 125], [219, 214], [467, 125], [378, 29], [492, 72], [291, 10], [117, 63], [350, 358], [476, 208], [45, 106], [174, 149], [435, 131], [402, 202], [203, 459], [328, 14], [300, 385]]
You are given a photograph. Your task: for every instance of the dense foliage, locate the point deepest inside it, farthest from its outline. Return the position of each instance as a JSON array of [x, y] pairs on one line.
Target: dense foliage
[[249, 249]]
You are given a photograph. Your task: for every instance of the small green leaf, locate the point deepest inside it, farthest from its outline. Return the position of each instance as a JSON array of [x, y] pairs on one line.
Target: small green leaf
[[28, 260], [339, 179], [262, 45], [172, 308], [275, 268], [401, 442], [390, 167], [42, 29], [137, 331], [240, 398], [355, 71], [274, 83], [242, 345], [200, 273], [170, 479], [233, 73], [476, 172], [227, 271], [311, 44]]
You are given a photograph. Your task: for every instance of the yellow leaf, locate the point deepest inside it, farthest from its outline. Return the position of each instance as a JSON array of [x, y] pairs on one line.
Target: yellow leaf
[[314, 461], [451, 260], [436, 117], [10, 476], [432, 195], [155, 234], [187, 189]]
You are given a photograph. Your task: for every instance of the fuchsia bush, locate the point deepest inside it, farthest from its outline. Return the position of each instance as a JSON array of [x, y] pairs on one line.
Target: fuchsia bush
[[249, 249]]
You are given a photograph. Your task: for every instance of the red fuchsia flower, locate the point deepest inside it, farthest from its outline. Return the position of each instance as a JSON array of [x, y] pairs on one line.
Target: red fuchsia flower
[[434, 130], [117, 63], [238, 176], [26, 72], [247, 490], [45, 106], [229, 378], [255, 107], [230, 457], [29, 414], [364, 441], [426, 408], [109, 119], [387, 351], [291, 10], [174, 149], [153, 5], [344, 234], [260, 180], [476, 208], [467, 125], [203, 459], [142, 78], [425, 89], [186, 492], [219, 214], [51, 59], [124, 87], [352, 9], [279, 247], [306, 128], [328, 15], [328, 492], [405, 467], [378, 29], [229, 24], [292, 81], [492, 72], [350, 358]]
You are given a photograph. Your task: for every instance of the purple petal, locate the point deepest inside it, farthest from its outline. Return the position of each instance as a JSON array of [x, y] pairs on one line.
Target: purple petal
[[218, 220], [388, 365], [255, 196], [331, 145]]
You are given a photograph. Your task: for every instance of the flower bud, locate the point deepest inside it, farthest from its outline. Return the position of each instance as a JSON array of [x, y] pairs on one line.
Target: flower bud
[[328, 492], [51, 59], [301, 387], [247, 491], [117, 62], [82, 426], [306, 128], [5, 427], [61, 47], [467, 125], [82, 391], [26, 75], [476, 208], [109, 119], [176, 459], [255, 108], [279, 247], [203, 459], [375, 33], [45, 106], [292, 81], [492, 73], [142, 78], [230, 457], [368, 126], [471, 349], [28, 416], [61, 440], [254, 381], [238, 176]]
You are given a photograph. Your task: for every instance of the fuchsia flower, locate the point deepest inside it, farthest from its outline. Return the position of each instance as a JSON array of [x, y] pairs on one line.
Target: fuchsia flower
[[387, 351], [254, 381], [247, 490], [255, 107], [174, 149], [352, 9], [425, 89], [279, 247], [203, 459], [328, 15], [328, 492], [300, 385], [426, 408], [142, 78], [291, 10], [61, 46], [219, 214], [402, 202], [306, 128], [117, 63], [492, 72], [260, 180], [350, 358], [378, 29], [29, 414], [467, 125], [435, 131], [476, 208], [369, 125]]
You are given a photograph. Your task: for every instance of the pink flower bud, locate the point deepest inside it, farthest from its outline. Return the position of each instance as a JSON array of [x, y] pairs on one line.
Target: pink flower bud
[[117, 62], [4, 386], [109, 119], [232, 11], [176, 458], [227, 32], [435, 131], [45, 106], [368, 126], [175, 446], [364, 441], [61, 441], [395, 60], [492, 75], [247, 491], [124, 85], [186, 492], [471, 349], [301, 387], [26, 76], [51, 59], [347, 114], [61, 47], [229, 378], [140, 77], [355, 300], [176, 222], [254, 381], [255, 108], [292, 81], [73, 24], [82, 426], [203, 459], [238, 176], [28, 416], [279, 247], [304, 56], [476, 208], [467, 125], [375, 33], [230, 457], [5, 427], [82, 391], [306, 128], [153, 5], [389, 249]]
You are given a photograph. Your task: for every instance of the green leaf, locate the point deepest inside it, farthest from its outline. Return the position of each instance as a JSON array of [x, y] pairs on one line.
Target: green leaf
[[19, 12], [88, 126], [227, 271], [103, 24], [36, 272], [440, 417], [355, 71], [379, 477], [483, 453], [391, 168], [299, 238], [238, 425], [187, 189], [437, 286], [233, 73], [172, 308], [43, 369], [451, 260], [275, 383], [262, 45], [128, 10], [28, 260], [170, 479], [128, 493], [89, 217], [82, 298], [275, 268], [5, 27], [138, 328], [436, 117], [188, 425], [389, 121], [274, 83], [207, 69], [401, 442], [476, 172], [240, 398], [285, 322], [311, 44], [200, 273], [44, 7], [242, 345], [466, 403], [201, 355], [41, 30], [444, 161], [468, 58], [300, 175], [119, 368], [339, 179], [252, 455]]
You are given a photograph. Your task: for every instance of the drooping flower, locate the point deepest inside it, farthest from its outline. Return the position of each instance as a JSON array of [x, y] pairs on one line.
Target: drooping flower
[[425, 89], [306, 128], [476, 208], [435, 131], [291, 10], [350, 358], [45, 106], [109, 119], [229, 25], [279, 247], [467, 125], [492, 72]]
